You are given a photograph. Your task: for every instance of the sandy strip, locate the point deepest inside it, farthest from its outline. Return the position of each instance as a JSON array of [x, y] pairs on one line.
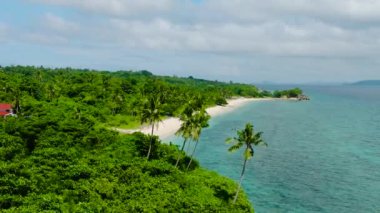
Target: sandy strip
[[165, 128], [169, 126]]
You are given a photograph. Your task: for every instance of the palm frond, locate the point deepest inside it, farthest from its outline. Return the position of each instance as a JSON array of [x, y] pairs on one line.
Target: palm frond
[[230, 140], [259, 134], [262, 143], [235, 147]]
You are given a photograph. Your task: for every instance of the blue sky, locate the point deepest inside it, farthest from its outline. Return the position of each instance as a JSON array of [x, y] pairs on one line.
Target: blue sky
[[281, 41]]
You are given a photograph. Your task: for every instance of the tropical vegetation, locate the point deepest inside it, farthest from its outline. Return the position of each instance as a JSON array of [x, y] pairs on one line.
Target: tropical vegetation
[[60, 153], [151, 113], [291, 93]]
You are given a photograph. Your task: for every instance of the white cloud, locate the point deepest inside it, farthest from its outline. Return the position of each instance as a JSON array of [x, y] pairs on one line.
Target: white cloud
[[269, 38], [115, 7], [51, 30], [59, 24], [272, 27], [359, 10], [224, 30]]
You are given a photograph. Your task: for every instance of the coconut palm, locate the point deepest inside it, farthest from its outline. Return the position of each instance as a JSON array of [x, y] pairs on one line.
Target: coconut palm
[[188, 127], [152, 114], [199, 121], [248, 138], [185, 132]]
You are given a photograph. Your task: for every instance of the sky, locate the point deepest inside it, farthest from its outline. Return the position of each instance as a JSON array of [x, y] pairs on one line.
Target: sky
[[281, 41]]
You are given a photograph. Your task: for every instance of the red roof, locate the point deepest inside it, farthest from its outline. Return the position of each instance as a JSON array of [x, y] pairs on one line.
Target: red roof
[[5, 109]]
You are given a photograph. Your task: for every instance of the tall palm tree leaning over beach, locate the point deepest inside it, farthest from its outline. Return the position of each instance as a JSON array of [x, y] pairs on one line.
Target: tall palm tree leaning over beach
[[185, 131], [188, 127], [151, 114], [188, 130], [199, 121], [248, 138]]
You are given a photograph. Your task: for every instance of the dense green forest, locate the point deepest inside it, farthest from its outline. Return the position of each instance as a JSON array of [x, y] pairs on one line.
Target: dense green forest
[[59, 154]]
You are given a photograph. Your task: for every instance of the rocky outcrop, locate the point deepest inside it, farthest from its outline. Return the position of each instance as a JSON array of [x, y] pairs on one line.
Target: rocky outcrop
[[303, 98]]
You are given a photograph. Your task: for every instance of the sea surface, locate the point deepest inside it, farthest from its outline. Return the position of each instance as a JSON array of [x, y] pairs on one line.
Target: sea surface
[[323, 154]]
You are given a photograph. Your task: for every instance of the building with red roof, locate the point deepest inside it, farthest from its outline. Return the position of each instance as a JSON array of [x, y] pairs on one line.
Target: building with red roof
[[5, 110]]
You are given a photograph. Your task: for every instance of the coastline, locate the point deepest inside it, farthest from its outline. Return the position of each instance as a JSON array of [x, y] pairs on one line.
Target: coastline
[[169, 126]]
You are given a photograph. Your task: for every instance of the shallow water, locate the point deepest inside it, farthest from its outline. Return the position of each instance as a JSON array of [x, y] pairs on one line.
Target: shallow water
[[323, 154]]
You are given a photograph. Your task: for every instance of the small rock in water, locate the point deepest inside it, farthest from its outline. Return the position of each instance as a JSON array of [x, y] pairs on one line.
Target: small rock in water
[[303, 98]]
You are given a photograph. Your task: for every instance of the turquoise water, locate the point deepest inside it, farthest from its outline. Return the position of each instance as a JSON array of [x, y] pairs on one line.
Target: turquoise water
[[323, 155]]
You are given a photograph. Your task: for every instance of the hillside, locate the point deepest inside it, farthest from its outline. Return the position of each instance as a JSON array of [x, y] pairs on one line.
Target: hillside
[[368, 83]]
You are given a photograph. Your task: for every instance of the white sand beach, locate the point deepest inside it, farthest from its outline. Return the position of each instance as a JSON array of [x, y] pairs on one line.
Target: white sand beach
[[169, 126]]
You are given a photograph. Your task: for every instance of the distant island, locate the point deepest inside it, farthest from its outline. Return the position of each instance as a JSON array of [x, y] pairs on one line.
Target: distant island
[[367, 83]]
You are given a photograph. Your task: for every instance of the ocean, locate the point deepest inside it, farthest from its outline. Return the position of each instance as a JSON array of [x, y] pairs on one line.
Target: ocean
[[323, 154]]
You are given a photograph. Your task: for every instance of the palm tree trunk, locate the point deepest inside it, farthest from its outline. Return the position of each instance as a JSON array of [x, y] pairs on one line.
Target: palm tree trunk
[[188, 148], [241, 180], [183, 145], [150, 143], [17, 107], [179, 154], [192, 154]]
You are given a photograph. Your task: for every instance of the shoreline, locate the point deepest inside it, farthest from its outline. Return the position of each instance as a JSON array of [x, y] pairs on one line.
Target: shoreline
[[169, 126]]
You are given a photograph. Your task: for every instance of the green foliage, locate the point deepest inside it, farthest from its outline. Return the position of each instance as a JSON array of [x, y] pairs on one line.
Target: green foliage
[[59, 154], [292, 93], [194, 118], [221, 101], [248, 138], [112, 177], [266, 93]]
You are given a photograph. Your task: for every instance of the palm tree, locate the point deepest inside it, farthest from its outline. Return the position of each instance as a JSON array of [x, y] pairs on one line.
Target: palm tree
[[17, 96], [249, 138], [199, 121], [184, 132], [151, 114], [188, 127], [50, 90]]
